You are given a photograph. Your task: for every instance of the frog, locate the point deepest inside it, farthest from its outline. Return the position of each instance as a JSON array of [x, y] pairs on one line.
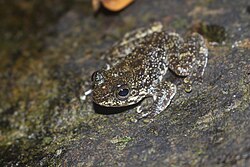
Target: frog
[[138, 63]]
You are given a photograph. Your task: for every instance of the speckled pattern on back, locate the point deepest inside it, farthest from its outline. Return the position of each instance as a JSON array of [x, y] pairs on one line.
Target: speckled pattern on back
[[137, 65]]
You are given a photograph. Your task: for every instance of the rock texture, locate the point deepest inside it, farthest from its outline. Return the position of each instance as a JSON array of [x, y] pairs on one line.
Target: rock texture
[[49, 49]]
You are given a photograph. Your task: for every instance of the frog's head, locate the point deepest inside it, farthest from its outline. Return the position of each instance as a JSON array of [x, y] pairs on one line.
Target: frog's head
[[114, 89]]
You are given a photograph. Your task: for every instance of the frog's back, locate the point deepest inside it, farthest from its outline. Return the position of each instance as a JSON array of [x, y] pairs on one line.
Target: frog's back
[[148, 61]]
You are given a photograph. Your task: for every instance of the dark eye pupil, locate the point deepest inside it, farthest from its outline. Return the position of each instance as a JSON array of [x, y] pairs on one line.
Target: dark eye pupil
[[123, 92]]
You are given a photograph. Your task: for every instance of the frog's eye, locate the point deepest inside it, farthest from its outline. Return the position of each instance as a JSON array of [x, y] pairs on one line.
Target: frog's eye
[[97, 77], [122, 92]]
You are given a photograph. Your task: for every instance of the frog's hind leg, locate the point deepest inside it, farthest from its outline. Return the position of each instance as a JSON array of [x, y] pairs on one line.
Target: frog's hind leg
[[190, 61], [162, 96]]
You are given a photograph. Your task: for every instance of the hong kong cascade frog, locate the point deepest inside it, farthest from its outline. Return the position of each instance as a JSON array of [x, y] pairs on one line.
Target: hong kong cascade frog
[[138, 63]]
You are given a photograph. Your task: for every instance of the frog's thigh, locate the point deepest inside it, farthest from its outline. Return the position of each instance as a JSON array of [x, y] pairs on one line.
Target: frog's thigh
[[162, 96], [181, 59], [180, 62], [200, 52], [191, 61]]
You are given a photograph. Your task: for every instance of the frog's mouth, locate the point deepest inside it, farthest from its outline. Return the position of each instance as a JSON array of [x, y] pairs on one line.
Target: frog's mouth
[[116, 103], [109, 102]]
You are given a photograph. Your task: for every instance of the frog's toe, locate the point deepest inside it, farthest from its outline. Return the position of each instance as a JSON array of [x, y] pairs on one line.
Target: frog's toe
[[187, 87], [145, 115]]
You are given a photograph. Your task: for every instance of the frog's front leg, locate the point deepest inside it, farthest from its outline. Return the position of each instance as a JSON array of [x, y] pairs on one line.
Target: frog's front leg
[[85, 91], [190, 60], [162, 96]]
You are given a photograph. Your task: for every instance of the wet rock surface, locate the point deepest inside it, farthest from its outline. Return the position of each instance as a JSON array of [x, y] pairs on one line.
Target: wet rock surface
[[48, 50]]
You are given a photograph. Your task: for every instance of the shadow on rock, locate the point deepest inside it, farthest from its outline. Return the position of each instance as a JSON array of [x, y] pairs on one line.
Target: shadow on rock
[[111, 110]]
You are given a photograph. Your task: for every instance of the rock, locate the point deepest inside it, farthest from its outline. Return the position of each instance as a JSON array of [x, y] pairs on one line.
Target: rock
[[48, 53]]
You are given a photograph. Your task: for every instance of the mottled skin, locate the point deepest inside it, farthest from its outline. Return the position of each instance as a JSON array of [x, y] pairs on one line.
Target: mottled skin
[[137, 65]]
